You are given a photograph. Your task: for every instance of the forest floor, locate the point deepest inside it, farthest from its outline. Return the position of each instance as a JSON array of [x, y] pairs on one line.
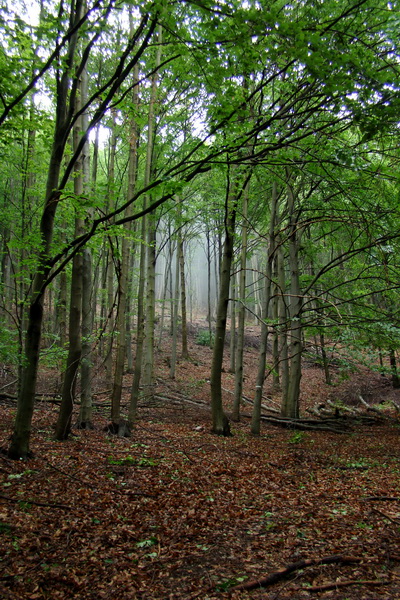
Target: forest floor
[[176, 513]]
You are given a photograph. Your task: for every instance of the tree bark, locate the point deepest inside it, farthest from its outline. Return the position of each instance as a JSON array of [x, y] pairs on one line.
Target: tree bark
[[237, 399], [148, 366], [291, 401], [19, 446], [220, 422], [185, 350], [124, 271], [262, 358]]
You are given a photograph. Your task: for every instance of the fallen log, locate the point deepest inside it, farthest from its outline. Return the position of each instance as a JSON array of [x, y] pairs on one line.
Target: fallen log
[[333, 425], [291, 568]]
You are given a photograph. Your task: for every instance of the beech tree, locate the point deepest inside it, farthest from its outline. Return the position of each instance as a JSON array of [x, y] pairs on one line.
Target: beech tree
[[321, 99]]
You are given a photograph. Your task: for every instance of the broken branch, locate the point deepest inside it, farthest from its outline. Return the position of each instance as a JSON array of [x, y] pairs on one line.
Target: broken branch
[[291, 568]]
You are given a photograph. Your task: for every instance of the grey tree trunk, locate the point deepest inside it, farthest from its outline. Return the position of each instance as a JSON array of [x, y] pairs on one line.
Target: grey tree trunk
[[237, 400], [110, 318], [283, 321], [19, 446], [148, 366], [85, 410], [185, 349], [291, 400], [232, 343], [220, 422], [123, 281], [137, 372], [64, 421], [174, 317], [262, 358]]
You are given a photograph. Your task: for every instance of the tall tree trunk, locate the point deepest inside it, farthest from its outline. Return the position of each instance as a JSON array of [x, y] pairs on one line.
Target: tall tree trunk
[[137, 372], [276, 380], [110, 328], [237, 400], [85, 410], [19, 446], [209, 311], [124, 271], [283, 321], [232, 343], [148, 366], [174, 317], [64, 421], [165, 289], [262, 358], [291, 400], [220, 422], [63, 426], [185, 350]]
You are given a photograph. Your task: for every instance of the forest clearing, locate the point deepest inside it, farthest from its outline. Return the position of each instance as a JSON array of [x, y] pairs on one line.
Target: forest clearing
[[175, 512]]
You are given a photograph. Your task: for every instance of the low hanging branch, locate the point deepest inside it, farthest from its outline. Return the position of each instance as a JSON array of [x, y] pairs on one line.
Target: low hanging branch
[[291, 568]]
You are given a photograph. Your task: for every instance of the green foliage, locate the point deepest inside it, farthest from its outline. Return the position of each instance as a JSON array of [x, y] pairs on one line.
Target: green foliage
[[203, 338], [297, 437], [147, 543], [131, 461], [226, 584], [9, 346]]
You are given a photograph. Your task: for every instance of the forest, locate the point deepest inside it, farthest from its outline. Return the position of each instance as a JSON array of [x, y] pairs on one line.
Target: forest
[[199, 299]]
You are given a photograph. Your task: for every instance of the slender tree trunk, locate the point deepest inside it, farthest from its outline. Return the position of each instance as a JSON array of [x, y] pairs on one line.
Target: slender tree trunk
[[85, 412], [291, 402], [220, 422], [232, 344], [174, 316], [276, 380], [124, 273], [262, 358], [148, 366], [63, 426], [137, 372], [283, 321], [209, 312], [325, 362], [237, 400], [167, 273], [393, 368], [64, 421], [108, 361], [185, 350]]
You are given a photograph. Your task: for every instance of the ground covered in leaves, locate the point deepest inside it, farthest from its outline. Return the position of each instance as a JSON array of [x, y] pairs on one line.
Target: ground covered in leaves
[[176, 513]]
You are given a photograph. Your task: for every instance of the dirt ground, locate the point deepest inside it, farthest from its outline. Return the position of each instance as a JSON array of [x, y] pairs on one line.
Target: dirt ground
[[176, 513]]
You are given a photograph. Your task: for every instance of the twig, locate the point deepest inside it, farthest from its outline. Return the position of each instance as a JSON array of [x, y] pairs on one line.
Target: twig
[[291, 568], [381, 499], [379, 512], [3, 387], [339, 584], [22, 501]]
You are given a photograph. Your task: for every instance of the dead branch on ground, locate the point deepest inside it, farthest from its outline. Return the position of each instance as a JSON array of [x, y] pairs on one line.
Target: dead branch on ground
[[291, 568]]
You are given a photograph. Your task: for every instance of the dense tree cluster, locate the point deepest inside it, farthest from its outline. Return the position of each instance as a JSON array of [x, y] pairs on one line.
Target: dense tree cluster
[[265, 132]]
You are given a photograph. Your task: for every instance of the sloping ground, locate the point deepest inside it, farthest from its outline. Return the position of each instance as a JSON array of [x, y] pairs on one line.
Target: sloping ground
[[175, 513]]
